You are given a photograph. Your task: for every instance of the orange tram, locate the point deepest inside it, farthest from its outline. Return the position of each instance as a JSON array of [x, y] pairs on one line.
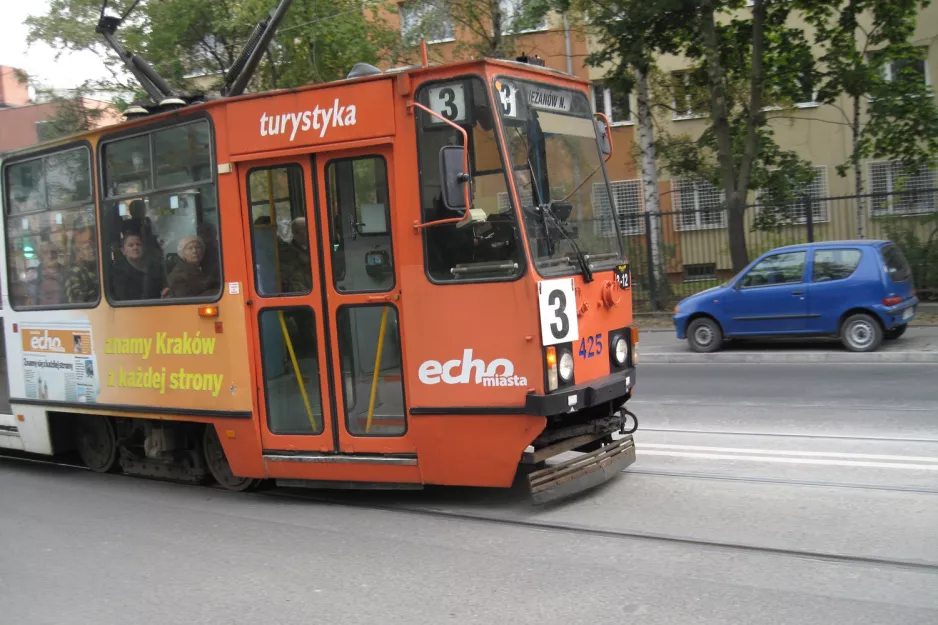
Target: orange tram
[[402, 278]]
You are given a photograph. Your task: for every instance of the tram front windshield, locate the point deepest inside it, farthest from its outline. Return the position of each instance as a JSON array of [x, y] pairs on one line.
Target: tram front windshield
[[562, 186]]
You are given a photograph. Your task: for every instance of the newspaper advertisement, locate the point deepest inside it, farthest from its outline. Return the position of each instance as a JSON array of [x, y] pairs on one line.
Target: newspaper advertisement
[[59, 364]]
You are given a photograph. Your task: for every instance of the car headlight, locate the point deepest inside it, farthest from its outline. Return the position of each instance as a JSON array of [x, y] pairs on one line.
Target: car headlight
[[620, 350], [565, 366]]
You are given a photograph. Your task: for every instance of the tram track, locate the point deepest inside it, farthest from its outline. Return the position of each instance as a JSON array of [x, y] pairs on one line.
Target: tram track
[[572, 528], [781, 481]]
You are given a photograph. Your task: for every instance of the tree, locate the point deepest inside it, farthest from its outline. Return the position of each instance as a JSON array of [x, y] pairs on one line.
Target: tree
[[73, 113], [741, 59], [867, 56], [488, 28], [316, 42]]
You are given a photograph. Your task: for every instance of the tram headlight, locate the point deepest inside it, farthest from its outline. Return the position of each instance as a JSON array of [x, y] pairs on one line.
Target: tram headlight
[[620, 351], [565, 366]]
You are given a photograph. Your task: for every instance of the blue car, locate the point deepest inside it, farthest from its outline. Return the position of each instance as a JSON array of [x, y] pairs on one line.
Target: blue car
[[858, 291]]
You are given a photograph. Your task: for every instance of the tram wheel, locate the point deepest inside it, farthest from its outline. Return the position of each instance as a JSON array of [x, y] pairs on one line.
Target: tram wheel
[[218, 464], [97, 443]]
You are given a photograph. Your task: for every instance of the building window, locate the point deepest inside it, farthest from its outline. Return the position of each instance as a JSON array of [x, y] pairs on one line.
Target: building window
[[160, 195], [907, 70], [813, 193], [52, 242], [629, 200], [617, 109], [703, 272], [425, 19], [512, 14], [700, 205], [896, 192], [690, 93]]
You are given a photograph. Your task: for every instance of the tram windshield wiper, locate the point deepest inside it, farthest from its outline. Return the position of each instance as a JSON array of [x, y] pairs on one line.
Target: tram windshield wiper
[[548, 210]]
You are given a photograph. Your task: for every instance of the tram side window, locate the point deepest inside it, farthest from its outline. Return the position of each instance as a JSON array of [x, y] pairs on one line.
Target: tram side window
[[290, 357], [51, 232], [360, 221], [279, 231], [160, 215], [490, 250]]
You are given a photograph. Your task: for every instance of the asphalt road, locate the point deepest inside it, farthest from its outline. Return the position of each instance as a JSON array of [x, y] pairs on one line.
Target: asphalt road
[[792, 494]]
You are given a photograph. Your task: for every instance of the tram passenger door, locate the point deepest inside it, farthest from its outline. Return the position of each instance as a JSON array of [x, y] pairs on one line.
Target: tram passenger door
[[355, 197], [287, 308]]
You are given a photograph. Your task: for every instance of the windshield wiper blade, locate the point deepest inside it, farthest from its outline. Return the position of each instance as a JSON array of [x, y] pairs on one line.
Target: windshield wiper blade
[[546, 209]]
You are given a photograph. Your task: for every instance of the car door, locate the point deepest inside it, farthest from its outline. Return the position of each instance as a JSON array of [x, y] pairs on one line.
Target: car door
[[770, 298], [835, 287]]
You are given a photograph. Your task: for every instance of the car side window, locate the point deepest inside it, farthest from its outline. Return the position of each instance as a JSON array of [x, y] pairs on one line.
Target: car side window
[[835, 264], [784, 268]]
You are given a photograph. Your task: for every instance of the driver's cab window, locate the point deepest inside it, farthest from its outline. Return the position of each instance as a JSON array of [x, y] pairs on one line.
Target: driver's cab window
[[784, 268], [486, 249]]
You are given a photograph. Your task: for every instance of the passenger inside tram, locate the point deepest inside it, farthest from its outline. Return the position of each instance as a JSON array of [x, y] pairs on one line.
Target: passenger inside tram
[[135, 274], [188, 278], [81, 286]]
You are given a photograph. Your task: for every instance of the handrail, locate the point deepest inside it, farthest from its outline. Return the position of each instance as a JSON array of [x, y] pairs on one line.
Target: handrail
[[608, 131], [465, 158]]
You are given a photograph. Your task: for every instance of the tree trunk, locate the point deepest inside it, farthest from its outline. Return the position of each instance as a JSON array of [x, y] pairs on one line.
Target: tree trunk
[[719, 111], [857, 170], [497, 42], [736, 227], [646, 140]]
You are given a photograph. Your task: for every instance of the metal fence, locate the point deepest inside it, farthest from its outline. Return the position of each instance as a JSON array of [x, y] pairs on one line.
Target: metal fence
[[690, 248]]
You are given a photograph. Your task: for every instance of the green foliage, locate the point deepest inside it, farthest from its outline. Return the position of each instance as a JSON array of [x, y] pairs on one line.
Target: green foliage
[[72, 115], [918, 238], [316, 42], [860, 41]]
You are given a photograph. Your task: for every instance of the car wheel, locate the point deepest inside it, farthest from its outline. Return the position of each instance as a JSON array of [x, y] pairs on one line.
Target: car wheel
[[861, 333], [892, 335], [704, 335]]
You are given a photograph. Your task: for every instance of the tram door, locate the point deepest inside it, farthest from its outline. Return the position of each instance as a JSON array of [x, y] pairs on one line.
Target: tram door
[[326, 308]]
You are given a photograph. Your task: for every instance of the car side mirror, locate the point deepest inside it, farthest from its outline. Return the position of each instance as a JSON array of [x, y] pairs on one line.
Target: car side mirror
[[454, 180], [605, 145]]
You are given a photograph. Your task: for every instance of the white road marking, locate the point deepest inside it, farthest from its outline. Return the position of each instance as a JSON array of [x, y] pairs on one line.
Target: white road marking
[[785, 452], [816, 461]]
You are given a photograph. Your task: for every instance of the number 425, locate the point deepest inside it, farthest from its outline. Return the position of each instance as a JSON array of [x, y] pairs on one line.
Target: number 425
[[591, 346]]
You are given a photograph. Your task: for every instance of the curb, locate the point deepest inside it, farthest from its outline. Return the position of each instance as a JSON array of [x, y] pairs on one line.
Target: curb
[[786, 357]]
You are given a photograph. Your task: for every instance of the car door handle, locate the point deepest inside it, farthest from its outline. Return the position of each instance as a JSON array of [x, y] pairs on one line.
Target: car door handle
[[797, 292]]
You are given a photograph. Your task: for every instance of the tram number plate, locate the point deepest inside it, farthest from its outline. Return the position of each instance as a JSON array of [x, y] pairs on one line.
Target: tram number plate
[[557, 303], [623, 276]]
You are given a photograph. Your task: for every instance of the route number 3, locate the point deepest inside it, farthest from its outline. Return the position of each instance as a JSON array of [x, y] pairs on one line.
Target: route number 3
[[449, 100], [557, 303]]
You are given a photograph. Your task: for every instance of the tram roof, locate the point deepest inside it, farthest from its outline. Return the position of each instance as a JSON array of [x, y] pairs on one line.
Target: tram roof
[[185, 111]]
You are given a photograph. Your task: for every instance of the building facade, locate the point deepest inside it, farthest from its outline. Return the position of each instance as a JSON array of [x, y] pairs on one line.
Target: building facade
[[24, 122]]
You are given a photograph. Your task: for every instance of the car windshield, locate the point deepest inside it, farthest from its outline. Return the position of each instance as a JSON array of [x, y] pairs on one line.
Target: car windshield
[[561, 183]]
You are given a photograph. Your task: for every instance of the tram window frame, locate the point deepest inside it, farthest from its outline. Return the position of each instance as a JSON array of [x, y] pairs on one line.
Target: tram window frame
[[89, 204], [310, 222], [388, 216], [523, 262], [152, 190]]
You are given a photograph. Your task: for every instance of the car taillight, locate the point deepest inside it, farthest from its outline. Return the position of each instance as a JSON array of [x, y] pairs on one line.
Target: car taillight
[[892, 301]]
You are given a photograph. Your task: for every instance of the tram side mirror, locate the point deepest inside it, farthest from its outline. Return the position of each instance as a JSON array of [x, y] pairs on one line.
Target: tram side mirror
[[604, 140], [453, 177]]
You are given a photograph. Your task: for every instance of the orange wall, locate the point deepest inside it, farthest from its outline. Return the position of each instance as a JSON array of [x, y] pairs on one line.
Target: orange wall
[[12, 91], [18, 124]]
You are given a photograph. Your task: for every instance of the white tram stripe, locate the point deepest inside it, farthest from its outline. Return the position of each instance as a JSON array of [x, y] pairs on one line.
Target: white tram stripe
[[815, 461], [785, 452]]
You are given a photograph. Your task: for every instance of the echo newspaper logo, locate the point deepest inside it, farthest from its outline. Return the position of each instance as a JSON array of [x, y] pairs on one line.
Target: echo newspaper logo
[[469, 370]]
